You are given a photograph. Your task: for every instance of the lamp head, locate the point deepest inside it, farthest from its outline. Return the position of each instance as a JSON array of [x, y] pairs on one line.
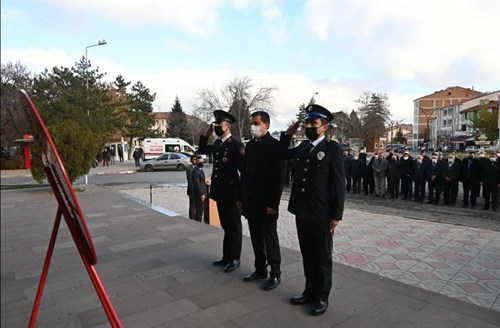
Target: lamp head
[[101, 42]]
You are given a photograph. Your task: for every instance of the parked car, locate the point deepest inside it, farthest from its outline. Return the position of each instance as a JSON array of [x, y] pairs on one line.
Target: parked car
[[167, 161], [471, 148], [399, 149]]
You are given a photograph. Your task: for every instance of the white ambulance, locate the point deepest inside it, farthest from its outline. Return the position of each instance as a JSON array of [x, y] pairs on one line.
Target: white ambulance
[[154, 147]]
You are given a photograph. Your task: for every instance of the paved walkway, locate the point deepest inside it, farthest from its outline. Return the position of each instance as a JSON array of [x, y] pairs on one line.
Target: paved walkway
[[456, 261], [158, 272]]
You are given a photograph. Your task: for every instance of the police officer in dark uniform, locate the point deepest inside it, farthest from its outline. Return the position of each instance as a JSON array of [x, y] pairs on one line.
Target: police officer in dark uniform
[[317, 201], [262, 182], [228, 153]]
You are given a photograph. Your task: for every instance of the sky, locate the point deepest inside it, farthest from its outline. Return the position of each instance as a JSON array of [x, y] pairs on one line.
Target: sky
[[405, 49]]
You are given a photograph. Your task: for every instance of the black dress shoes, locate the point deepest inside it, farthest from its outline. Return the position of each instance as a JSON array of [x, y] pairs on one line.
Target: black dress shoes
[[301, 300], [255, 275], [233, 265], [221, 263], [319, 308], [272, 283]]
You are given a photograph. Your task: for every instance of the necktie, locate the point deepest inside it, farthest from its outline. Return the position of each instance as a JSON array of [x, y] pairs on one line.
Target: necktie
[[309, 147]]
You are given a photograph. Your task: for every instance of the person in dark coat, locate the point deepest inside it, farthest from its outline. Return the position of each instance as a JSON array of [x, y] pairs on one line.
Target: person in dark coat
[[228, 153], [491, 183], [136, 157], [421, 173], [192, 202], [435, 180], [347, 170], [368, 179], [406, 164], [357, 167], [485, 163], [120, 152], [199, 188], [317, 201], [470, 175], [393, 176], [262, 183], [450, 172]]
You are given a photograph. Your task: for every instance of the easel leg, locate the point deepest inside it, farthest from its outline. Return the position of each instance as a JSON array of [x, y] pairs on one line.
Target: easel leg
[[45, 270]]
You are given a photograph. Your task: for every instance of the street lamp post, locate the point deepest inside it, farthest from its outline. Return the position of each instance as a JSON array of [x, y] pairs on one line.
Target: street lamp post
[[99, 43]]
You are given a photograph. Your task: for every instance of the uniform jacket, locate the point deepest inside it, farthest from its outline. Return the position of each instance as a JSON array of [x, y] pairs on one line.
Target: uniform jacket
[[472, 174], [198, 182], [227, 167], [381, 166], [318, 191], [263, 176], [452, 171]]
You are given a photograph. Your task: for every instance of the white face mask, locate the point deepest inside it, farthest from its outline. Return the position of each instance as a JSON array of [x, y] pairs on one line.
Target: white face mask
[[493, 159], [368, 159], [355, 157], [451, 160], [481, 155], [255, 130], [434, 160], [405, 157]]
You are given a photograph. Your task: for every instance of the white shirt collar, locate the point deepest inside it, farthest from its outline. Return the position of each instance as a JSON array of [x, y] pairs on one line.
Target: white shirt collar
[[317, 141], [226, 137]]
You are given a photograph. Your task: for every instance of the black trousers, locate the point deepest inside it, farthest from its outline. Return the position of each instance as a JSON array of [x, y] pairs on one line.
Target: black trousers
[[420, 190], [406, 187], [393, 187], [369, 185], [348, 183], [470, 189], [230, 221], [198, 208], [192, 208], [493, 191], [265, 243], [356, 184], [316, 244], [434, 190], [450, 191]]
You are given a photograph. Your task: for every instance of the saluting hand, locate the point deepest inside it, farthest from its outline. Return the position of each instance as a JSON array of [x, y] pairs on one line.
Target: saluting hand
[[293, 128], [210, 130]]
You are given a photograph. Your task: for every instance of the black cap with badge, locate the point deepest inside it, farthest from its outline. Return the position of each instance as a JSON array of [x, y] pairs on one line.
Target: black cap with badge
[[221, 116], [314, 111]]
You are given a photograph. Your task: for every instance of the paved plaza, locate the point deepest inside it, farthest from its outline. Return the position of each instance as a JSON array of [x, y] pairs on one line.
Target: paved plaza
[[457, 261]]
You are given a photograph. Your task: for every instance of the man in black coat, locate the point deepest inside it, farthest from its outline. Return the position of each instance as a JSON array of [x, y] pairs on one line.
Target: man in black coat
[[393, 175], [470, 175], [406, 164], [228, 153], [357, 167], [317, 201], [435, 180], [189, 171], [450, 172], [199, 188], [491, 183], [347, 170], [262, 183], [421, 173], [368, 179]]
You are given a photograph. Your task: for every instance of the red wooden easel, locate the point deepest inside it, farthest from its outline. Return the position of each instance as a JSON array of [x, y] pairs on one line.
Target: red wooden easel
[[68, 207]]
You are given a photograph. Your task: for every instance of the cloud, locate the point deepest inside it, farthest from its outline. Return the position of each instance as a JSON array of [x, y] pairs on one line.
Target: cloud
[[195, 17], [179, 45], [274, 23], [414, 40]]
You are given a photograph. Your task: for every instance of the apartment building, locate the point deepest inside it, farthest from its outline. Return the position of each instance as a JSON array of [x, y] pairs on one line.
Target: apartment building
[[425, 110]]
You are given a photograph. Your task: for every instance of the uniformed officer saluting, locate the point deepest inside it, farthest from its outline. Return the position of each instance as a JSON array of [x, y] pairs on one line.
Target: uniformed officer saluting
[[228, 153], [317, 201]]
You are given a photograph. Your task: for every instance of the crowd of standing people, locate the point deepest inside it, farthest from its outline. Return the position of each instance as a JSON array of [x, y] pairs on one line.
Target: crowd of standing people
[[433, 179]]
